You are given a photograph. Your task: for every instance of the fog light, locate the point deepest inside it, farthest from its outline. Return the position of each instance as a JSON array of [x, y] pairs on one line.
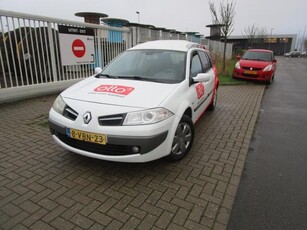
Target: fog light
[[135, 149]]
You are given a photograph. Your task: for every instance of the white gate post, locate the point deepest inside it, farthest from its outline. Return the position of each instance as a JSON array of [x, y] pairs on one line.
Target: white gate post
[[52, 55]]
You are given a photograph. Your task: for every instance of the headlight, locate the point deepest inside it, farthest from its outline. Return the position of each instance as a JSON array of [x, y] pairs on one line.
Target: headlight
[[237, 66], [267, 68], [59, 105], [147, 117]]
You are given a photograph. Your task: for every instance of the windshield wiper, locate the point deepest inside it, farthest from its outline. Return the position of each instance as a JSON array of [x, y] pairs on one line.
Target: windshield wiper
[[105, 75], [131, 77], [138, 78]]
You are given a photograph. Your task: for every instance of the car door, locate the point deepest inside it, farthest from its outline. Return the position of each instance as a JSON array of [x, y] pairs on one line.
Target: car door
[[200, 90], [208, 68]]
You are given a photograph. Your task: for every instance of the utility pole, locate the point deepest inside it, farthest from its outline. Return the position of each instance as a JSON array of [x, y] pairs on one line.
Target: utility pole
[[303, 40], [138, 29], [138, 13], [298, 40], [270, 40]]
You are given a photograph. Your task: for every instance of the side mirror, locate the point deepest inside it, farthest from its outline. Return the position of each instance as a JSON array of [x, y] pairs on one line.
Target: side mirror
[[202, 77], [238, 57], [98, 70], [274, 60]]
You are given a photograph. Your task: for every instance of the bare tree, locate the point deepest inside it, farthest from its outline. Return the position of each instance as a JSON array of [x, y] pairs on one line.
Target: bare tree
[[256, 34], [262, 34], [251, 33], [225, 16]]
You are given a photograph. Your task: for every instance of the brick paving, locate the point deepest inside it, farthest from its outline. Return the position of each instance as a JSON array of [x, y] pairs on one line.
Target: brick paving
[[43, 186]]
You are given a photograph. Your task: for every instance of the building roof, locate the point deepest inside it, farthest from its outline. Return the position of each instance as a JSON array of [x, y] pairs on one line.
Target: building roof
[[268, 35], [117, 22], [260, 50]]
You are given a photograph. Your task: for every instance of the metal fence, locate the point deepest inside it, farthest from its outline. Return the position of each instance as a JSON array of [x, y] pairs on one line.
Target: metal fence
[[31, 59], [30, 55], [217, 48]]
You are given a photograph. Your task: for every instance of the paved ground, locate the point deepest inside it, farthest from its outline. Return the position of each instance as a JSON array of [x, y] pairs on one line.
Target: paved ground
[[45, 187], [273, 190]]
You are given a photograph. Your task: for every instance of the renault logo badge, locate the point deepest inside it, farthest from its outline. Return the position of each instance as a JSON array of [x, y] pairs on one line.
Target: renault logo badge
[[87, 117]]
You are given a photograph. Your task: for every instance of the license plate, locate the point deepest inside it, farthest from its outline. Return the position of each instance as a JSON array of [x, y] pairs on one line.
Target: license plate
[[96, 138], [250, 72]]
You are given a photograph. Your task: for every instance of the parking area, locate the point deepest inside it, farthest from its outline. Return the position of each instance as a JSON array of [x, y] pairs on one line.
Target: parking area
[[46, 187]]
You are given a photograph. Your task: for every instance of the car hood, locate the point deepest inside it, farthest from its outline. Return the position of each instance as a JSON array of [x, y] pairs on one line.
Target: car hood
[[130, 93], [254, 64]]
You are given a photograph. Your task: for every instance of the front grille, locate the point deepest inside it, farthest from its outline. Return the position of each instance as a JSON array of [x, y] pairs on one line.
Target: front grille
[[108, 149], [112, 120], [70, 113]]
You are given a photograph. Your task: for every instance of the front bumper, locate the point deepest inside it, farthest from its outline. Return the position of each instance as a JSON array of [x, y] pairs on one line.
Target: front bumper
[[117, 145], [259, 76]]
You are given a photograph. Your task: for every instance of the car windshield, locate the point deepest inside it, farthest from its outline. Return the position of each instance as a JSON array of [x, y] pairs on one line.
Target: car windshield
[[258, 56], [148, 65]]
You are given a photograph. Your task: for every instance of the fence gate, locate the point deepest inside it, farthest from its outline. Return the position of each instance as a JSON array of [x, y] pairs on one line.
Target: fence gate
[[30, 54]]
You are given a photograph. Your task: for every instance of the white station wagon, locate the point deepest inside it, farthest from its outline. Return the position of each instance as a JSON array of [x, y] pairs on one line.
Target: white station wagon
[[141, 107]]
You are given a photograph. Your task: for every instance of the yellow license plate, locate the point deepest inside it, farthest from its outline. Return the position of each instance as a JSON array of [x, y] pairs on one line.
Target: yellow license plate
[[250, 72], [96, 138]]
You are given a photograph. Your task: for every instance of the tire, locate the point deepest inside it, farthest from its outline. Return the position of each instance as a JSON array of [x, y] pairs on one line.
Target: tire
[[214, 101], [183, 139], [270, 81]]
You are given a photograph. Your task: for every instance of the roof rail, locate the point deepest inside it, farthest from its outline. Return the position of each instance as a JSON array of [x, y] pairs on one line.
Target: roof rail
[[191, 45]]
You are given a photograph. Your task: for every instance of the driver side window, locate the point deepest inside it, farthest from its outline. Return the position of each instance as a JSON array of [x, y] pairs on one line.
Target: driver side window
[[196, 67]]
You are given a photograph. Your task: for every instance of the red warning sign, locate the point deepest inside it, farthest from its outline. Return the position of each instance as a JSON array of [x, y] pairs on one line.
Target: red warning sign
[[76, 45], [78, 48]]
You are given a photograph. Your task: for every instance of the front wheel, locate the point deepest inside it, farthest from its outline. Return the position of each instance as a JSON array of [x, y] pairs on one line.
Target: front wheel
[[270, 81], [183, 139]]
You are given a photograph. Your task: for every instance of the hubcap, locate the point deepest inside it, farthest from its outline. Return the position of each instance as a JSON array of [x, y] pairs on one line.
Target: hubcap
[[182, 139]]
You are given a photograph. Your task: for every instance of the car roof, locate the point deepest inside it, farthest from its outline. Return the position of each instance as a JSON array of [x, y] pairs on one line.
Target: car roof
[[176, 45], [260, 50]]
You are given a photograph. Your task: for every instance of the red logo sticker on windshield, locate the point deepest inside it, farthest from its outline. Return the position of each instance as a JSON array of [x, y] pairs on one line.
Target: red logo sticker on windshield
[[200, 90], [116, 89]]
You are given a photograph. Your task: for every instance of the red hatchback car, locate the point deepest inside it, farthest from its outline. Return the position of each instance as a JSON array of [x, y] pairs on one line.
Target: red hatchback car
[[256, 65]]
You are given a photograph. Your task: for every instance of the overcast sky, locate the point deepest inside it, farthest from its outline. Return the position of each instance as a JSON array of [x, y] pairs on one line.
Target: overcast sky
[[284, 16]]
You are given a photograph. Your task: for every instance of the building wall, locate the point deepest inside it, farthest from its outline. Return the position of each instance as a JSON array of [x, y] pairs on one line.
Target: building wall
[[279, 44]]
